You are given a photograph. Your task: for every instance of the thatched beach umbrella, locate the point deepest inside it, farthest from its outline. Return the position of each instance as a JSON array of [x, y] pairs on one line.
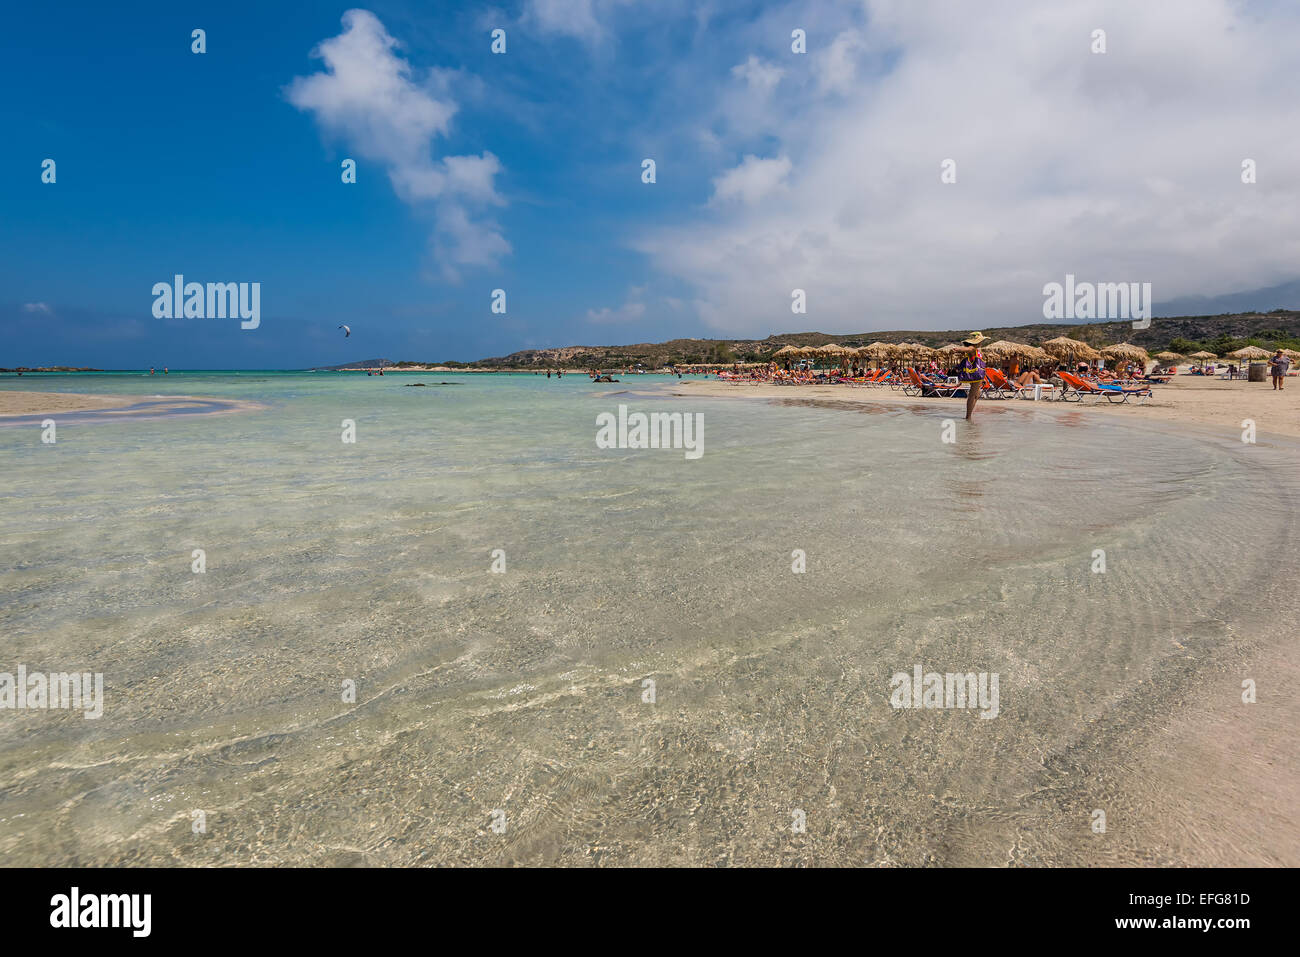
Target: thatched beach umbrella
[[879, 350], [1126, 350], [835, 352], [787, 350], [863, 354], [1006, 349], [1063, 347], [1202, 355], [1123, 352], [916, 350], [1250, 352], [1169, 358]]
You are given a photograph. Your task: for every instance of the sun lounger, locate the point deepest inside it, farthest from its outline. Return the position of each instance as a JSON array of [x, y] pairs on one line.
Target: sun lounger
[[925, 387], [1077, 388], [1004, 387]]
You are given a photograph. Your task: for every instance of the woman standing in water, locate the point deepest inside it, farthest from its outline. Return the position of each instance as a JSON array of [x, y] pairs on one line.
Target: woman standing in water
[[971, 371]]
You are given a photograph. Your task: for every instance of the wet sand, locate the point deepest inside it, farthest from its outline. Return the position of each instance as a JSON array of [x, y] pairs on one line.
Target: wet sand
[[53, 403], [22, 407]]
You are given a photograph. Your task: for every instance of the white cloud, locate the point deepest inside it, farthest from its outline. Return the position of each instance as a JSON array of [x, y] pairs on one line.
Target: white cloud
[[575, 18], [460, 241], [752, 180], [760, 76], [41, 307], [837, 67], [631, 310], [367, 98], [1123, 166]]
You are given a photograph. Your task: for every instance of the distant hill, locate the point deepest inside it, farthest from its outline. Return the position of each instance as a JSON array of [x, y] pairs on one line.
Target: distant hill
[[1181, 333], [359, 364], [51, 369]]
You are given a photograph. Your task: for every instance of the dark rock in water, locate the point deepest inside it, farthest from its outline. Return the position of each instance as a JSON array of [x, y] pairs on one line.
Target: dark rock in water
[[413, 385], [451, 383]]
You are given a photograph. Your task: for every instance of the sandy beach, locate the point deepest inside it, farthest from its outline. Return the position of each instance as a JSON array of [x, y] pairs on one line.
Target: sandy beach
[[16, 406], [1187, 400], [52, 403]]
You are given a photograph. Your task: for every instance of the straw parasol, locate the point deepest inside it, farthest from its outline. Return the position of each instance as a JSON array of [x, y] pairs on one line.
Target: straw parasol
[[787, 351], [1006, 349], [836, 352], [1202, 355], [1291, 353], [1167, 356], [1064, 347], [1250, 352], [879, 351], [916, 350], [1126, 350]]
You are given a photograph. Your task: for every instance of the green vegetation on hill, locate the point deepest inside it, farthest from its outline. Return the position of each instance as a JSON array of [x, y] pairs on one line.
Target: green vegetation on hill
[[1181, 334]]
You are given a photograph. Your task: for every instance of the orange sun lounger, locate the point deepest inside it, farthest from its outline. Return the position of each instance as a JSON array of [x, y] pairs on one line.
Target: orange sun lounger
[[1005, 386], [1078, 388], [918, 386]]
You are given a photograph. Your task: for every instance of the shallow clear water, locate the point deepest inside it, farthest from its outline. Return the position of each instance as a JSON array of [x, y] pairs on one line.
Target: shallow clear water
[[523, 691]]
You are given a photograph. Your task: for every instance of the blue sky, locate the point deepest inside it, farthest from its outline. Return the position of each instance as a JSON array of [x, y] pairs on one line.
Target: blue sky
[[522, 171]]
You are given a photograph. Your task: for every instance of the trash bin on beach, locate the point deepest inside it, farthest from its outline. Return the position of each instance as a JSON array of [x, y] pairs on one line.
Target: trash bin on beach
[[1256, 372]]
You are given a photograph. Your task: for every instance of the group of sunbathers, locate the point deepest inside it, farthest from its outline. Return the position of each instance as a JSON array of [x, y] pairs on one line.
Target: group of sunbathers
[[896, 375]]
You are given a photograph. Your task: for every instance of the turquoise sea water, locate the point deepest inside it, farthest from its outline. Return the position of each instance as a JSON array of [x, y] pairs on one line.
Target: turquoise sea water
[[525, 691]]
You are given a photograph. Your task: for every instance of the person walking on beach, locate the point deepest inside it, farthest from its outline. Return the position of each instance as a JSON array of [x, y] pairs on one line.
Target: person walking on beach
[[971, 371], [1279, 364]]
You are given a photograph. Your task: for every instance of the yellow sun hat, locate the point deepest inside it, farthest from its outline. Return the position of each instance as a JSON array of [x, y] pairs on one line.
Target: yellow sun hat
[[974, 339]]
